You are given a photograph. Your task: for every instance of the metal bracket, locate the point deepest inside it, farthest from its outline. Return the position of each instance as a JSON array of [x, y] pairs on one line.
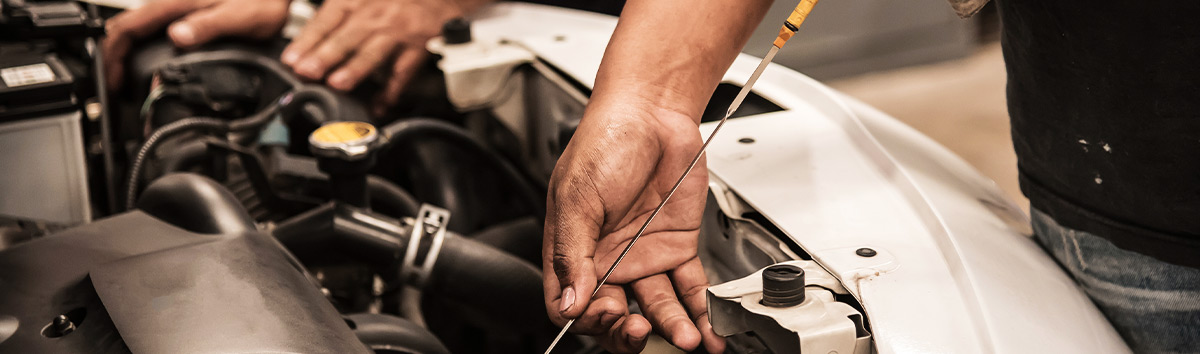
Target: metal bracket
[[820, 324], [430, 221]]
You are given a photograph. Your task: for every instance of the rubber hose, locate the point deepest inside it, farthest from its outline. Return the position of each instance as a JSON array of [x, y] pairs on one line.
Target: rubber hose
[[500, 288], [239, 57], [380, 332], [387, 196], [164, 132], [262, 117], [309, 93], [195, 203], [423, 127], [184, 156], [254, 121], [519, 237]]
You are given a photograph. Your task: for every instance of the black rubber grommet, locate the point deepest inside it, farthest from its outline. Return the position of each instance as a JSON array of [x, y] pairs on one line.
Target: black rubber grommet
[[456, 31], [783, 285]]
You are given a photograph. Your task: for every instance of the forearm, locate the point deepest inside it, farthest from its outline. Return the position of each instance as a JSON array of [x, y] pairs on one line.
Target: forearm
[[671, 54], [466, 7]]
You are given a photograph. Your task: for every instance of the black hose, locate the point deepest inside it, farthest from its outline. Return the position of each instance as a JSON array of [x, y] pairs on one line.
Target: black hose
[[185, 155], [324, 98], [496, 287], [384, 332], [390, 199], [239, 57], [255, 121], [164, 132], [492, 287], [262, 117], [520, 237], [195, 203], [423, 127]]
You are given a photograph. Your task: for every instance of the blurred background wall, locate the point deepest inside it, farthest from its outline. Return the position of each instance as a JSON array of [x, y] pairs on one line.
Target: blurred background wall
[[917, 61]]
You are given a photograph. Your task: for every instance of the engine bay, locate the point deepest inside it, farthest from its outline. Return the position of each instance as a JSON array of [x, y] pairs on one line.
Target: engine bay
[[238, 208], [217, 202]]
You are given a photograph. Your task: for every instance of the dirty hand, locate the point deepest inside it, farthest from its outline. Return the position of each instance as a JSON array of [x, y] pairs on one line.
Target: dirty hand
[[621, 162], [192, 23], [349, 39]]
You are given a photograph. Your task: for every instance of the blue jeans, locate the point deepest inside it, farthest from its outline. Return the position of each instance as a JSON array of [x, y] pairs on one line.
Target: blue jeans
[[1155, 306]]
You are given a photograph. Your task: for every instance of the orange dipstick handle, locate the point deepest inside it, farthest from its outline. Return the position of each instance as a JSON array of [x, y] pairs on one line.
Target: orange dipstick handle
[[793, 22]]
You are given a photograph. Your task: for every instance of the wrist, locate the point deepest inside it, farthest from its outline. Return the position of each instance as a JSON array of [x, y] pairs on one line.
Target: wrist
[[664, 106], [638, 119]]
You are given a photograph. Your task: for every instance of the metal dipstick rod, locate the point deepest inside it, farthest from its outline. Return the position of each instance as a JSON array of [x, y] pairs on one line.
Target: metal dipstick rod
[[785, 33]]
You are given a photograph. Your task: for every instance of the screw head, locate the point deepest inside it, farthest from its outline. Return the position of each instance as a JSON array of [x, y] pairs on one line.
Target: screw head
[[866, 252], [58, 327]]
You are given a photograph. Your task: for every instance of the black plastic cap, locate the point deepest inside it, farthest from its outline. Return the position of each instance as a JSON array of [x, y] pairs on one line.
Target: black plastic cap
[[783, 285], [456, 31]]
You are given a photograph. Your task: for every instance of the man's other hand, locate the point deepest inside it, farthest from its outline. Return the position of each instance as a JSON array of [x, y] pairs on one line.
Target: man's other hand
[[349, 39], [191, 23]]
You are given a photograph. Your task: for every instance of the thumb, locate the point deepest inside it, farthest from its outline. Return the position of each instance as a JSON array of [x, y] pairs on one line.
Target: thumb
[[572, 228]]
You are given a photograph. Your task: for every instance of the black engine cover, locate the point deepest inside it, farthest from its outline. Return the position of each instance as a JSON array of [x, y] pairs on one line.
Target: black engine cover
[[135, 283]]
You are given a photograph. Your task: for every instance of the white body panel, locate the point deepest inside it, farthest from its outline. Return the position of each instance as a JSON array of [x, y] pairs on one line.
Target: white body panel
[[956, 270]]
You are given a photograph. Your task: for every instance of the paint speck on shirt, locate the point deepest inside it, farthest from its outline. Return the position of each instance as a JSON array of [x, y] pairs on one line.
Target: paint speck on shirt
[[1084, 142], [1098, 180], [1107, 148]]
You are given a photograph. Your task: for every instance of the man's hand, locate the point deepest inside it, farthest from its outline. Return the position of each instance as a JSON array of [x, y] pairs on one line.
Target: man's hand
[[638, 135], [616, 170], [192, 23], [348, 39]]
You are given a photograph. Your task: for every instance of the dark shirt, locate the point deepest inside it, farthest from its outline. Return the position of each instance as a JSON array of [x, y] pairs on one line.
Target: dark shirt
[[1105, 104]]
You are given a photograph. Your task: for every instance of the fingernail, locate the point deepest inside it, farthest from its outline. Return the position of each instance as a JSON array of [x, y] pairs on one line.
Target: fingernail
[[290, 57], [340, 80], [310, 68], [183, 34], [568, 299]]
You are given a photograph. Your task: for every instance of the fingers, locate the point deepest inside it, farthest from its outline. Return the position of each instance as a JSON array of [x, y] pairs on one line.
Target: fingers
[[692, 284], [134, 24], [609, 305], [229, 18], [115, 49], [202, 21], [332, 51], [627, 335], [406, 65], [658, 301], [372, 54], [145, 20], [327, 19]]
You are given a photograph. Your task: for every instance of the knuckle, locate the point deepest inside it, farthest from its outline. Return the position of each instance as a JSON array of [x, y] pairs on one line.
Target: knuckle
[[694, 290], [114, 26], [561, 262], [655, 304]]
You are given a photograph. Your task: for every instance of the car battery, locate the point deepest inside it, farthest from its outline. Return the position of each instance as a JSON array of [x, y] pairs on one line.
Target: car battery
[[43, 175]]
